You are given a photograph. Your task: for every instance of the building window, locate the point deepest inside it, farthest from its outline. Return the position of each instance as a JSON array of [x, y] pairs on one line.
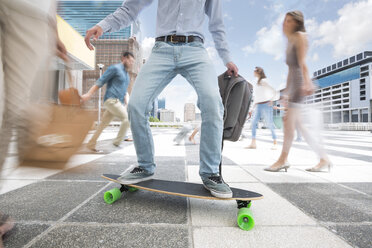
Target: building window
[[364, 74], [333, 66], [328, 68], [319, 72], [360, 56], [364, 68], [346, 62], [339, 64], [352, 59], [324, 70], [346, 116]]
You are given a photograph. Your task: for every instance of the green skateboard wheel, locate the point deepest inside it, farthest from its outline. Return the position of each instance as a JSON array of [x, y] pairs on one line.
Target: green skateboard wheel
[[112, 195], [132, 189], [245, 219], [249, 205]]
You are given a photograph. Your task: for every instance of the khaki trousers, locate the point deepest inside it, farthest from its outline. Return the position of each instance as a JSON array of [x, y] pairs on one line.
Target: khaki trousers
[[114, 108]]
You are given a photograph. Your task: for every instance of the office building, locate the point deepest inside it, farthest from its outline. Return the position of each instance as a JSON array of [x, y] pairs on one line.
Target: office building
[[161, 103], [166, 115], [189, 112], [345, 93]]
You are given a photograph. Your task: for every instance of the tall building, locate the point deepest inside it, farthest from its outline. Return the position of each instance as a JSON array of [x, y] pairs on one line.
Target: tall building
[[161, 103], [82, 15], [189, 112], [155, 108], [166, 115], [345, 92]]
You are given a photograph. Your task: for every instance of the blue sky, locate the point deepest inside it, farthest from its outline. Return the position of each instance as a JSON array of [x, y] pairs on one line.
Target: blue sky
[[336, 29]]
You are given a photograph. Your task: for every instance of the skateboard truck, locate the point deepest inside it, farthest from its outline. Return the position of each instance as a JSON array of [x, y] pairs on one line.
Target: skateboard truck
[[243, 204]]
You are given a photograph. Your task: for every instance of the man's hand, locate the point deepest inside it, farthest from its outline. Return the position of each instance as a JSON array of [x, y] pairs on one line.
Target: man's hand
[[85, 98], [96, 31], [249, 114], [232, 69], [61, 50]]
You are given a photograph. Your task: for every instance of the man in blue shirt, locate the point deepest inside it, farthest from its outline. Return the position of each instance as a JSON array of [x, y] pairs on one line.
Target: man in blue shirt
[[117, 79], [178, 49]]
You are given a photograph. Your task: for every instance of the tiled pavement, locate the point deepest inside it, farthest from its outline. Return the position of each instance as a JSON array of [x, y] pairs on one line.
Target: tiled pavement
[[64, 208]]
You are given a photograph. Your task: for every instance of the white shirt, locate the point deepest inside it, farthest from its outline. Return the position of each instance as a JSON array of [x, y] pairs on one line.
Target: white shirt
[[181, 17], [263, 92]]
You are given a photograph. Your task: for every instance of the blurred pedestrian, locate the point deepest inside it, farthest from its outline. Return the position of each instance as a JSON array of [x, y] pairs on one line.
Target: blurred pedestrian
[[116, 96], [264, 95], [27, 34], [298, 86]]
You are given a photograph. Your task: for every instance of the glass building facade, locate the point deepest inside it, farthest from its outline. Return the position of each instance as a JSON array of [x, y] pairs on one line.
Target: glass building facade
[[339, 77], [82, 15]]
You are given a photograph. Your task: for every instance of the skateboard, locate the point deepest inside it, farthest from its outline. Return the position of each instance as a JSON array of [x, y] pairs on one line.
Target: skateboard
[[243, 198]]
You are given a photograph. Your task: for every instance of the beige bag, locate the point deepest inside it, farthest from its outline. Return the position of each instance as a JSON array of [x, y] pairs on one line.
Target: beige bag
[[56, 133]]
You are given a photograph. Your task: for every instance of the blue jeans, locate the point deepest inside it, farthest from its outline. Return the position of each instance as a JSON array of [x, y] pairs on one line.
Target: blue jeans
[[166, 61], [265, 111]]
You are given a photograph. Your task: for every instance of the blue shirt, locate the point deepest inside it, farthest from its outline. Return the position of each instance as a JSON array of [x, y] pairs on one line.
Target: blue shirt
[[117, 79], [181, 17]]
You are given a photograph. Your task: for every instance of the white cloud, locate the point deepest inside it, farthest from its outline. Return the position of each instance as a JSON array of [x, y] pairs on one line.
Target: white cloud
[[269, 40], [227, 17], [350, 33], [315, 57], [347, 35], [146, 46]]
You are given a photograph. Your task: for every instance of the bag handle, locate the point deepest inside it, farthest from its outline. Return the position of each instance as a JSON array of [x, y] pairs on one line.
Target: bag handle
[[69, 74]]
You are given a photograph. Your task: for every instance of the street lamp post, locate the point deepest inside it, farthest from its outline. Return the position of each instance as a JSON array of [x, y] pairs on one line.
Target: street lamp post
[[100, 66]]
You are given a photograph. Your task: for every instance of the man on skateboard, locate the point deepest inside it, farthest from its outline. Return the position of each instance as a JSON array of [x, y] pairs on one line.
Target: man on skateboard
[[178, 49], [117, 79]]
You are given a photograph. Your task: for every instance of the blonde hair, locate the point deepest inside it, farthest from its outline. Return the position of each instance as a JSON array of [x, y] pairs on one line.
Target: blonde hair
[[299, 18]]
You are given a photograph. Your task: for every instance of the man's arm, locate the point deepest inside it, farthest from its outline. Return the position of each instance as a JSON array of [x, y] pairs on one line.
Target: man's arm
[[217, 29], [121, 18], [109, 73], [126, 99]]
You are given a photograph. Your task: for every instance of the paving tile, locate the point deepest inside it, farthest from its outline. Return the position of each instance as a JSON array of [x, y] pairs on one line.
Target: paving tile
[[327, 202], [363, 187], [358, 236], [110, 164], [267, 237], [46, 201], [294, 175], [111, 237], [193, 157], [272, 210], [230, 174], [142, 206], [22, 234], [351, 173], [9, 185]]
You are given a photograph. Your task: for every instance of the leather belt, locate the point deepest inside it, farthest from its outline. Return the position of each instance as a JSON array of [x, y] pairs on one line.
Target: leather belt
[[179, 39]]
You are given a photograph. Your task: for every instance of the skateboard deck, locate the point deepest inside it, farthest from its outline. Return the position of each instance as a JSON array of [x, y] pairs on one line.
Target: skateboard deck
[[185, 189], [193, 190]]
